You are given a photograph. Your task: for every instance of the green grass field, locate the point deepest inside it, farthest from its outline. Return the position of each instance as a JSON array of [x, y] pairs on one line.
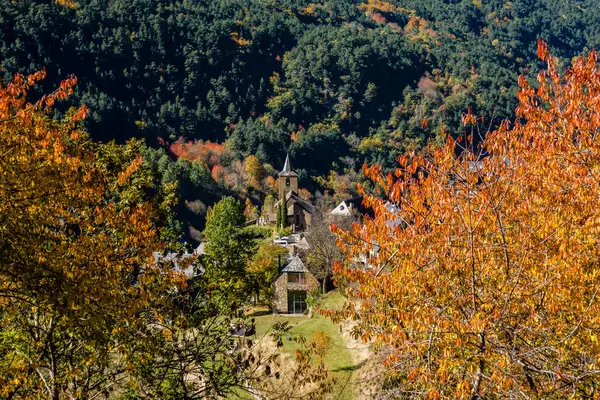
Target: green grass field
[[338, 360]]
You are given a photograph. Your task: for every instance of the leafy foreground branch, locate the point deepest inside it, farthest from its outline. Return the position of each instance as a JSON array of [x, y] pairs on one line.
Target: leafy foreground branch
[[85, 312], [483, 280]]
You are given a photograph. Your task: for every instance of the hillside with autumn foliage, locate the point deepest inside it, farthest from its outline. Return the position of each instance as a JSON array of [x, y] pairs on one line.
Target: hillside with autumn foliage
[[335, 83], [135, 131]]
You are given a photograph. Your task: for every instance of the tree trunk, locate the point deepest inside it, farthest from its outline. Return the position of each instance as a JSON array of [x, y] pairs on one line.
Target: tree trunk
[[477, 385]]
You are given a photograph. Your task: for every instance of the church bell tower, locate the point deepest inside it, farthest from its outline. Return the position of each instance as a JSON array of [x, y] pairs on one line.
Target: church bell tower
[[288, 179]]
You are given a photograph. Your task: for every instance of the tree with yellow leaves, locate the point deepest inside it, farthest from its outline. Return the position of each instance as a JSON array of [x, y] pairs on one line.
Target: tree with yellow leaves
[[255, 170], [484, 271], [78, 224]]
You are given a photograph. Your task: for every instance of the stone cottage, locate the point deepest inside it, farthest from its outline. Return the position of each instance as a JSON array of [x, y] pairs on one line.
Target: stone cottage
[[291, 287]]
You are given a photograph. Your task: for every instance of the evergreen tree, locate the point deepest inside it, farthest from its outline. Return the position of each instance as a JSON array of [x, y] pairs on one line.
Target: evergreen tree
[[282, 216]]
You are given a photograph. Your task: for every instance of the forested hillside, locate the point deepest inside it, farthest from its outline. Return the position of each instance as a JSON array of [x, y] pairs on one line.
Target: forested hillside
[[336, 83], [457, 142]]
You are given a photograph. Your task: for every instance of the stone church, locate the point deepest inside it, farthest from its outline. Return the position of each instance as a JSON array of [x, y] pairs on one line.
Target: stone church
[[298, 211]]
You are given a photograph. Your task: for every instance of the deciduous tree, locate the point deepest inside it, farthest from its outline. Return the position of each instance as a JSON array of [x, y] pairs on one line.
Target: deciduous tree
[[85, 312], [78, 224], [255, 170], [264, 267], [323, 251], [484, 280]]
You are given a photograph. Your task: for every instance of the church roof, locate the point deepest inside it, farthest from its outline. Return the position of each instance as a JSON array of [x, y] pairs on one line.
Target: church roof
[[305, 205], [287, 168]]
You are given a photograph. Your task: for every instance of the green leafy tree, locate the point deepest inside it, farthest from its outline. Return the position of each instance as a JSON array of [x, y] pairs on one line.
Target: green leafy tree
[[281, 216], [268, 207], [229, 247], [263, 268]]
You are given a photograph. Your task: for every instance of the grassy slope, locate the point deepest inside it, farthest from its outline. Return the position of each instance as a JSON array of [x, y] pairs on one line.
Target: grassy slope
[[339, 359]]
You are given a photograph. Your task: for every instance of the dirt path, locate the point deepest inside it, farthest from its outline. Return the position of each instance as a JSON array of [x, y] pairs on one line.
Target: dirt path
[[366, 379]]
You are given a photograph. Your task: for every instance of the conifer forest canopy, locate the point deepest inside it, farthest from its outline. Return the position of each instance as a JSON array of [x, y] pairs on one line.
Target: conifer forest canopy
[[380, 75], [335, 83]]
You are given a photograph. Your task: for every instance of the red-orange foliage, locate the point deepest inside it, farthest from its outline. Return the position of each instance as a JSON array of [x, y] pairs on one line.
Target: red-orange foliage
[[483, 274], [206, 151], [218, 173], [304, 194], [378, 18], [271, 184]]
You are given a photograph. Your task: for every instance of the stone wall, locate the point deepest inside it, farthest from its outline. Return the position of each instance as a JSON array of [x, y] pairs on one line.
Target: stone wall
[[280, 299], [304, 218], [283, 188], [312, 283]]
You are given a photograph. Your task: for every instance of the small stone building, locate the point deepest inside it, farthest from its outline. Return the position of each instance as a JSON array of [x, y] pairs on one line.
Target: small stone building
[[291, 287]]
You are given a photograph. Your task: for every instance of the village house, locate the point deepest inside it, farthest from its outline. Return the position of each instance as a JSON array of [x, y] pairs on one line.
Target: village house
[[352, 209], [292, 286], [180, 262]]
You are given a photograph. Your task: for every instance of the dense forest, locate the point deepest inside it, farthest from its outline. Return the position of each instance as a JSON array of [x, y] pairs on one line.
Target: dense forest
[[221, 90]]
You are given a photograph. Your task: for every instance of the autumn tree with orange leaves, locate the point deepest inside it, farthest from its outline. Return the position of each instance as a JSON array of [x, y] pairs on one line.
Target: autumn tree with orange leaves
[[77, 229], [483, 280]]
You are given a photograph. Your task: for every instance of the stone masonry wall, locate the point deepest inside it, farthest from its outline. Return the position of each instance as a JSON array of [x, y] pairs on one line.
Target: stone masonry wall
[[280, 299], [312, 283]]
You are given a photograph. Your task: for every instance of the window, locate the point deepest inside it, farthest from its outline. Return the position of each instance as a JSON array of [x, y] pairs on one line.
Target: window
[[296, 278], [287, 181], [296, 302]]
